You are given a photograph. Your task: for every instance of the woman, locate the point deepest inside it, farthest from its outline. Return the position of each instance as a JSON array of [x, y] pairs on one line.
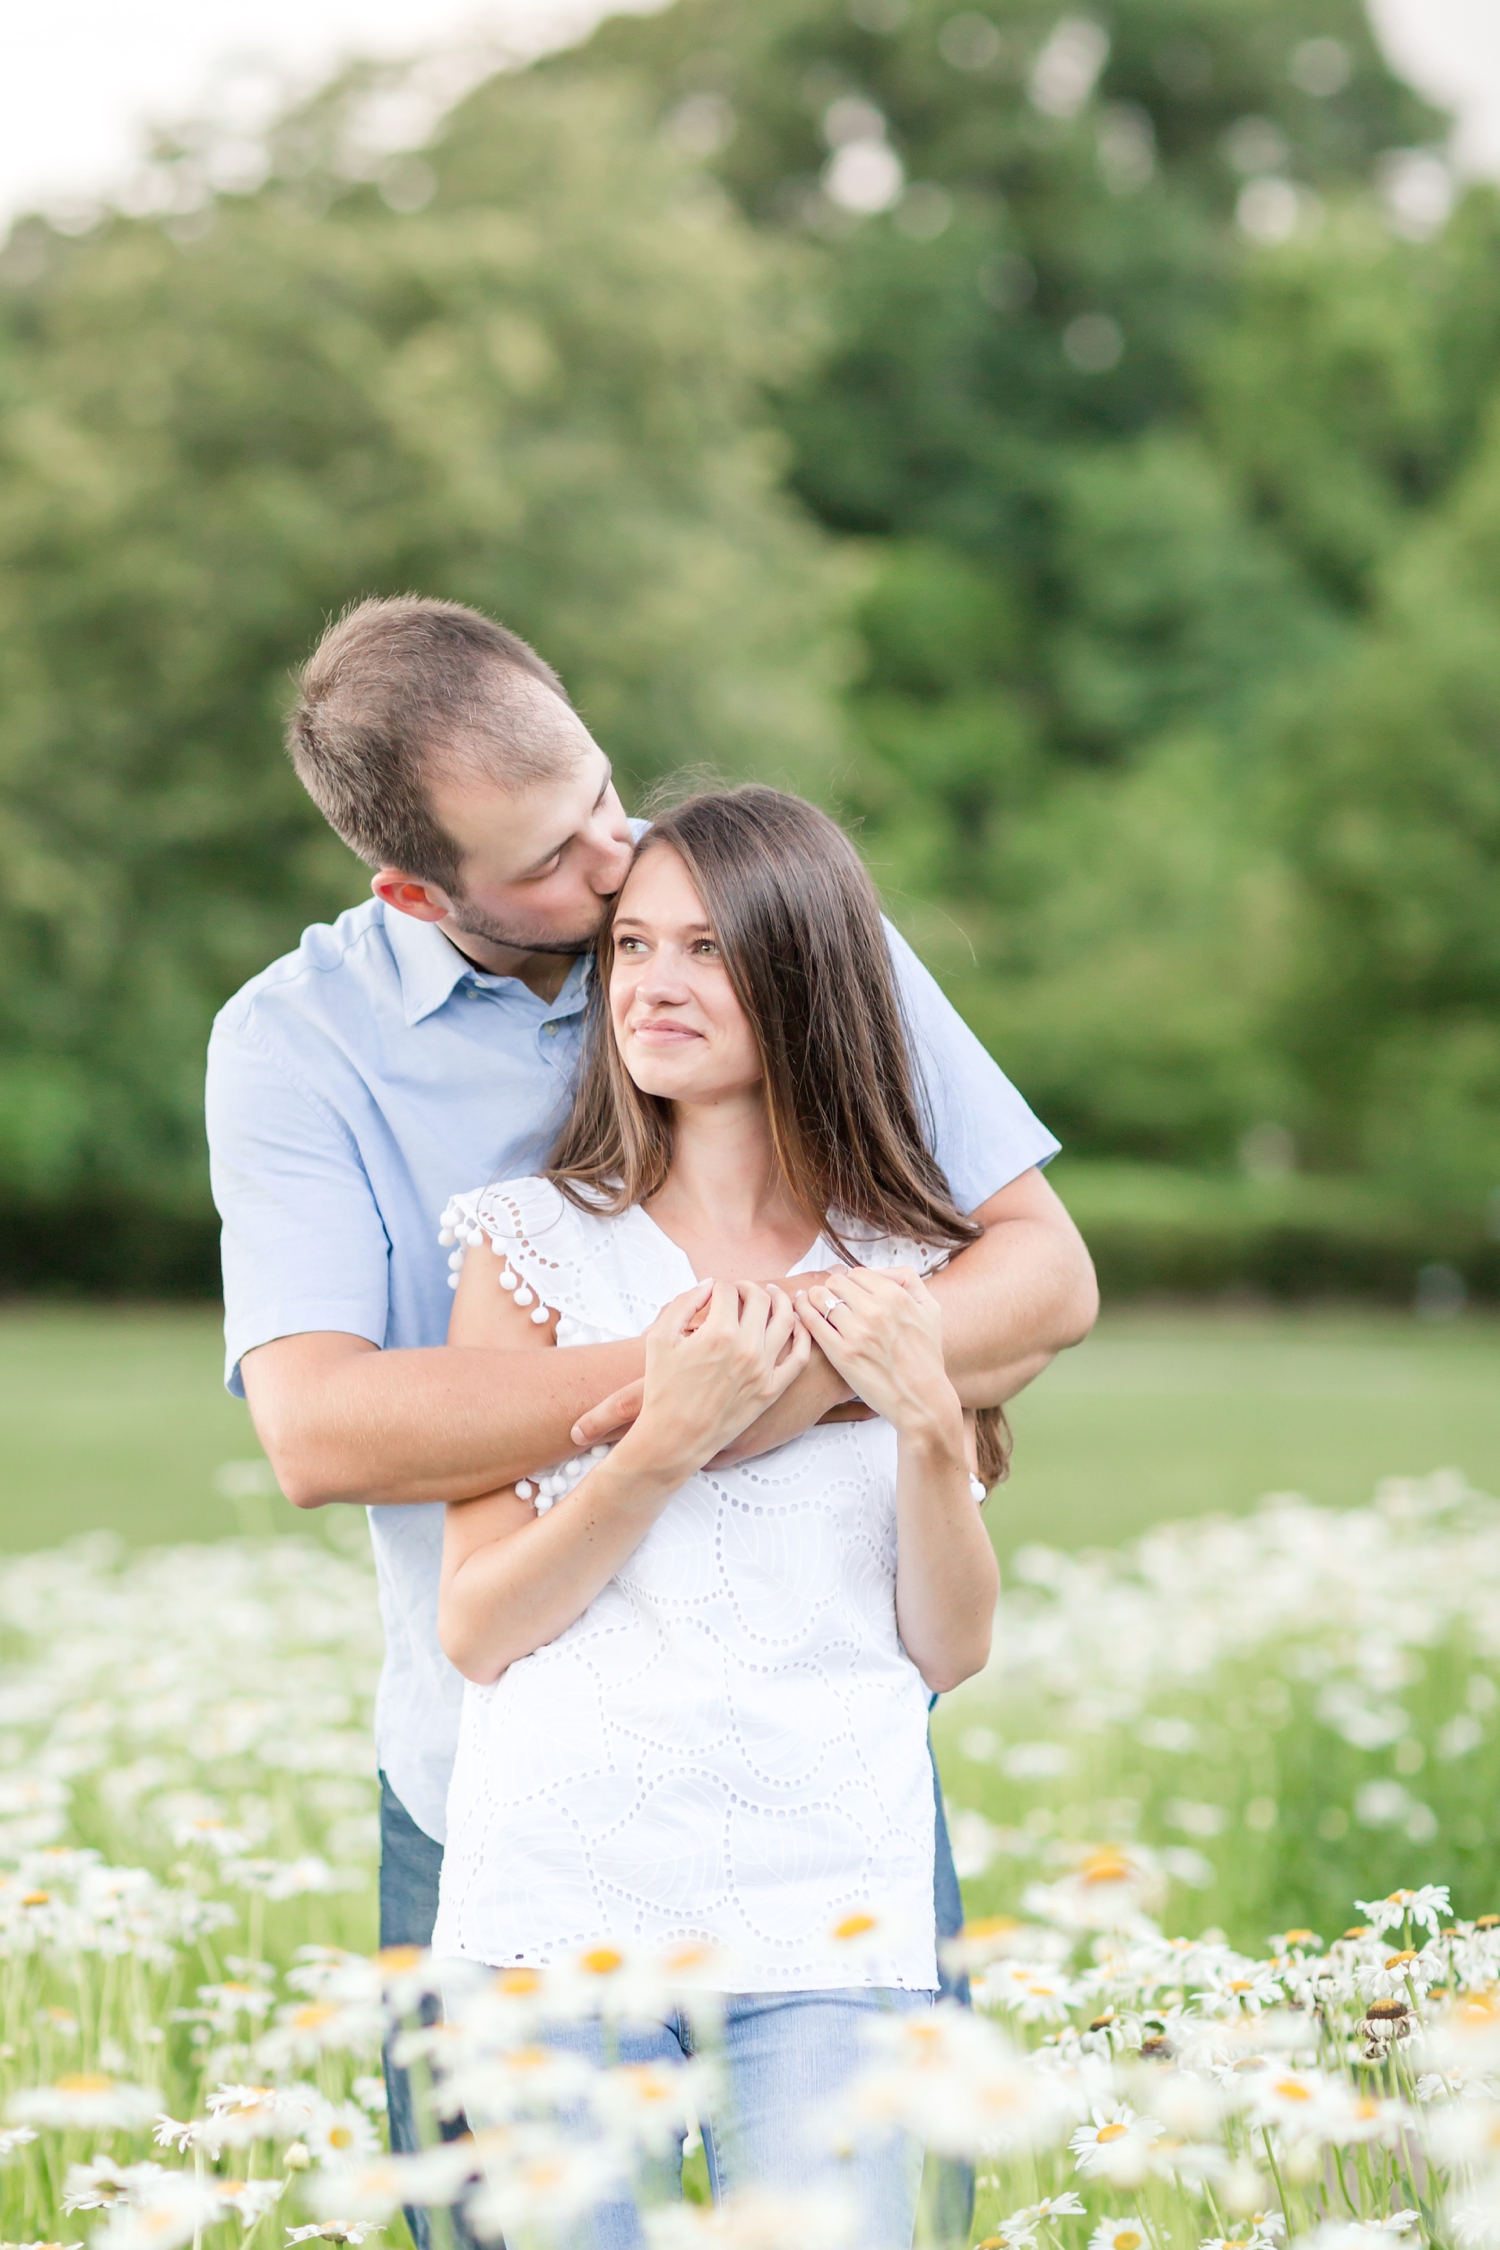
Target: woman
[[699, 1693]]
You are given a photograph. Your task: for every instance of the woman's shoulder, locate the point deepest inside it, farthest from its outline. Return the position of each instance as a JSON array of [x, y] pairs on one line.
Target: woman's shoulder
[[580, 1263], [519, 1210]]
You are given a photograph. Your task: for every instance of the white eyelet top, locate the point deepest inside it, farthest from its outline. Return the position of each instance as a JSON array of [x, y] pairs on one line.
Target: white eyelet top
[[730, 1743]]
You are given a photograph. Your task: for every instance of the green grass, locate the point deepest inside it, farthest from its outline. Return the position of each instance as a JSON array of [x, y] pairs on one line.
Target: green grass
[[1194, 1411], [118, 1418]]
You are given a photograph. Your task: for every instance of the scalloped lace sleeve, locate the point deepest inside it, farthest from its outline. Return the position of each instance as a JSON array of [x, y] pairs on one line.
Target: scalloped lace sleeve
[[510, 1222], [555, 1258], [550, 1254]]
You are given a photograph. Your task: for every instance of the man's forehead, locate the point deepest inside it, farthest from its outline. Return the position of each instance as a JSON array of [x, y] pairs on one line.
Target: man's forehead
[[475, 802]]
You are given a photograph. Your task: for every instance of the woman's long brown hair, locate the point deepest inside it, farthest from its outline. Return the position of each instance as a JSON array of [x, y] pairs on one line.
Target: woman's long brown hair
[[799, 930]]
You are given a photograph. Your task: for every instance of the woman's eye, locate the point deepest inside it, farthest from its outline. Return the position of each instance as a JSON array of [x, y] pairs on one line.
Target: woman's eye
[[707, 946]]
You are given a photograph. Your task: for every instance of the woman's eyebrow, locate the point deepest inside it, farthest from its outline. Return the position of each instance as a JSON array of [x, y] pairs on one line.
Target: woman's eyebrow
[[685, 929]]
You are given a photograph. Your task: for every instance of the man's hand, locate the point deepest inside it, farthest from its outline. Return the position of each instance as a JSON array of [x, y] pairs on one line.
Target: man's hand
[[611, 1418], [810, 1399]]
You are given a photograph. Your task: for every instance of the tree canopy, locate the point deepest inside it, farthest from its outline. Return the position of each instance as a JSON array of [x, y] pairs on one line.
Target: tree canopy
[[1065, 440]]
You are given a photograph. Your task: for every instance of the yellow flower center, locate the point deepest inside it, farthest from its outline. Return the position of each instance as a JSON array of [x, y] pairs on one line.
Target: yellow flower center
[[1115, 2132], [1106, 1867], [36, 1898], [1292, 2090], [1126, 2239], [84, 2082], [603, 1961], [687, 1957], [515, 1983], [854, 1925], [316, 2012], [396, 1958]]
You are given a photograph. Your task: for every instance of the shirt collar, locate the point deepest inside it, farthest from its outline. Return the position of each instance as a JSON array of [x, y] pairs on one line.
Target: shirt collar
[[428, 966], [431, 969]]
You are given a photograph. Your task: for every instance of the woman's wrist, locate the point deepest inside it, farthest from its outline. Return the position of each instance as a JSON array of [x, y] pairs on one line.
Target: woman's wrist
[[654, 1457], [934, 1430]]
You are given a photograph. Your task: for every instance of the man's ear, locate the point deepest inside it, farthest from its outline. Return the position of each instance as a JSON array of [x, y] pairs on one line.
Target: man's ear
[[424, 902]]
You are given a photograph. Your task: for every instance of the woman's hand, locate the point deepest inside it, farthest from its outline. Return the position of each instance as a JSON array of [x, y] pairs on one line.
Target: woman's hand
[[884, 1334], [716, 1358]]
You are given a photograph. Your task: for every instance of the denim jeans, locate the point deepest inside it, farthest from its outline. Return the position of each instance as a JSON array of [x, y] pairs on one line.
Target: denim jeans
[[784, 2057], [410, 1865]]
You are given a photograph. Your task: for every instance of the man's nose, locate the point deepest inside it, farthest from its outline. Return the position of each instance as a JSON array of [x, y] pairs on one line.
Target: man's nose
[[611, 865]]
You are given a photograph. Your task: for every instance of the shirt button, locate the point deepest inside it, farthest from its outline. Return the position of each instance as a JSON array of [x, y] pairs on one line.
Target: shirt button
[[550, 1029]]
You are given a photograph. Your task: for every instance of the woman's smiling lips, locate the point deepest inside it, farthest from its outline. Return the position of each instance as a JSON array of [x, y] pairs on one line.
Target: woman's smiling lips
[[664, 1031]]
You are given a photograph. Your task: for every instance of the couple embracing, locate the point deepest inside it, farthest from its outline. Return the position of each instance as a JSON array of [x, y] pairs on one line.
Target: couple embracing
[[675, 1499]]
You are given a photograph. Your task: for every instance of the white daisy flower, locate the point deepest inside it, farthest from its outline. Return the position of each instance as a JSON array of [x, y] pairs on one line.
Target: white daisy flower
[[757, 2220], [1115, 2146], [333, 2230], [172, 2211], [1423, 1908], [341, 2134], [99, 2185], [88, 2101], [1120, 2234], [540, 2179]]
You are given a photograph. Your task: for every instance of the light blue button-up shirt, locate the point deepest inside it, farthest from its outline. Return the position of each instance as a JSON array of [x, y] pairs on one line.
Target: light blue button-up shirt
[[358, 1083]]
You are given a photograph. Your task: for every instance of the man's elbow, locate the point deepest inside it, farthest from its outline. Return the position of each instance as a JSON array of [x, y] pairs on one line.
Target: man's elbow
[[1079, 1306], [299, 1476], [301, 1459]]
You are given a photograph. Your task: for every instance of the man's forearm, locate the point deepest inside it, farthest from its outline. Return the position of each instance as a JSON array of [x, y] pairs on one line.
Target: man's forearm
[[1011, 1301], [341, 1421]]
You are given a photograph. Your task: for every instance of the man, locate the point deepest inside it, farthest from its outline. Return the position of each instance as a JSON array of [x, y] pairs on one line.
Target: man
[[427, 1041]]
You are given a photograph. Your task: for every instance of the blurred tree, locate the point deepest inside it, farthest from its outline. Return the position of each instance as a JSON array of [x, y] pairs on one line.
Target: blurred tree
[[1131, 586], [1350, 388], [1392, 821], [1028, 220], [1137, 957], [540, 393]]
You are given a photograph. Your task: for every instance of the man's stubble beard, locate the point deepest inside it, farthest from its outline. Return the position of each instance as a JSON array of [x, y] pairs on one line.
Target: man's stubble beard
[[468, 919]]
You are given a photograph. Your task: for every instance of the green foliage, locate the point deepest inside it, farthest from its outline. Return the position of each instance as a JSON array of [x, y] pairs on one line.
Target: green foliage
[[1126, 577], [540, 394], [1393, 791], [1145, 545], [1351, 388]]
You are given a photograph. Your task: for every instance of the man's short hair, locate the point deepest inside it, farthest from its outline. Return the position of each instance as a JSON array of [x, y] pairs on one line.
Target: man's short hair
[[399, 688]]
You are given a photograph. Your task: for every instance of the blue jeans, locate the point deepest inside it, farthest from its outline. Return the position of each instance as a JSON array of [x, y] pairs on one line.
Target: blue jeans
[[784, 2056], [410, 1865]]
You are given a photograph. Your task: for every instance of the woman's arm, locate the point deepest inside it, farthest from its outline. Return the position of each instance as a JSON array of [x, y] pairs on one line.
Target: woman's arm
[[884, 1333], [513, 1580]]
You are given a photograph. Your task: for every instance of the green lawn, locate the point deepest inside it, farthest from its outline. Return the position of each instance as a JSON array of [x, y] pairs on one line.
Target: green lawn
[[1180, 1413], [119, 1418]]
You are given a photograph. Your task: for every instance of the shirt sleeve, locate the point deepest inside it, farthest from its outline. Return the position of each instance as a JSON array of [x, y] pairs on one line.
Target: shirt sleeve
[[980, 1130], [304, 1247]]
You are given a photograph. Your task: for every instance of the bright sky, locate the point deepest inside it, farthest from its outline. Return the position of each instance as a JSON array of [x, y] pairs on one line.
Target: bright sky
[[82, 77]]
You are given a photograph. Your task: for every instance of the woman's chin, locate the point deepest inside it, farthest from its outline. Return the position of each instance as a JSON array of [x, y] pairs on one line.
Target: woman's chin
[[673, 1078]]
